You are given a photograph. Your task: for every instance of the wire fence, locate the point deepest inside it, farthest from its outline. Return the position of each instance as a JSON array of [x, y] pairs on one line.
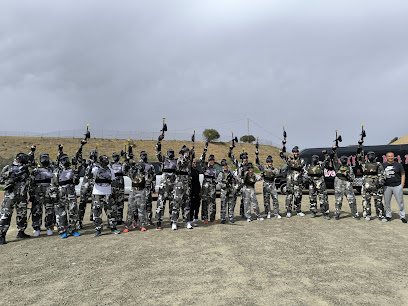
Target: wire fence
[[116, 134]]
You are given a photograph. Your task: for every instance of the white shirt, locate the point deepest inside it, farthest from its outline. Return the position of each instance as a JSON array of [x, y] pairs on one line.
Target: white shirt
[[106, 188]]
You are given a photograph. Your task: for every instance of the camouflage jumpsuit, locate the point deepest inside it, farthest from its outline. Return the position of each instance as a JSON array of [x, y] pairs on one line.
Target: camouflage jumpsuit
[[103, 201], [249, 180], [167, 182], [317, 186], [373, 182], [269, 187], [41, 184], [227, 180], [15, 177], [241, 167], [118, 190], [149, 168], [208, 189], [343, 185], [294, 180], [86, 190], [181, 193], [63, 193]]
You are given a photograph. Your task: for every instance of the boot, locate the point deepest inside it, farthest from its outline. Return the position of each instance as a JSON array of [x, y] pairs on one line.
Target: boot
[[22, 235], [3, 238]]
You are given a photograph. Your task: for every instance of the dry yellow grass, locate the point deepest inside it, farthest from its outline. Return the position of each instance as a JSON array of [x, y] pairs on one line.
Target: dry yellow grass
[[402, 140], [10, 146]]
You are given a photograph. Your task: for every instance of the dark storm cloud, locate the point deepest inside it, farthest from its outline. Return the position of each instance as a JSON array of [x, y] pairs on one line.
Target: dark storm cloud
[[312, 66]]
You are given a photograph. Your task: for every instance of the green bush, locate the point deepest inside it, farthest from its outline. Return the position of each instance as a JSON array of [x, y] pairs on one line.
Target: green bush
[[211, 134], [247, 139]]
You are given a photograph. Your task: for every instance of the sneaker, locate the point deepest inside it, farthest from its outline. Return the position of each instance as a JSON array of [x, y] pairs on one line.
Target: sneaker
[[115, 231], [49, 232], [97, 234], [126, 230], [205, 221], [388, 219], [3, 239], [189, 226], [249, 220], [278, 216], [268, 216], [134, 224], [327, 217], [367, 218], [143, 229], [313, 215], [222, 221], [337, 217], [22, 235], [260, 219], [384, 220], [64, 235], [231, 221], [75, 234], [403, 220], [194, 224], [36, 233], [243, 217], [288, 214], [174, 226], [159, 227], [80, 225], [214, 221], [151, 223], [195, 220], [300, 214], [357, 217]]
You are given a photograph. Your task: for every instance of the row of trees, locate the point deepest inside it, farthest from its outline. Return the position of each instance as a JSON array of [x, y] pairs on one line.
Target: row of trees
[[211, 134]]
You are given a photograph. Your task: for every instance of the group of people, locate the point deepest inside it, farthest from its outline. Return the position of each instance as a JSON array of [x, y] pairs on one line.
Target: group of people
[[51, 188]]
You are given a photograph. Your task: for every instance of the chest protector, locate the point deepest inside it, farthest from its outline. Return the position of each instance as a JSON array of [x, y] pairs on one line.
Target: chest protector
[[103, 177], [169, 165], [65, 177], [315, 171], [117, 169], [43, 175], [225, 176], [295, 165], [14, 173], [343, 171], [250, 180], [210, 172], [370, 169], [269, 174], [138, 179]]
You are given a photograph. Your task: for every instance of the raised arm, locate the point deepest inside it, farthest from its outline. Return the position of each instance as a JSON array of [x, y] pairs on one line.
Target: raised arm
[[159, 154]]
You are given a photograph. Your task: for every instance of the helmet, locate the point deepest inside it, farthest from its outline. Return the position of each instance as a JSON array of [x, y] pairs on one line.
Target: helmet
[[143, 156], [115, 157], [211, 157], [295, 149], [249, 165], [184, 149], [243, 155], [64, 160], [344, 160], [371, 156], [22, 158], [93, 155], [224, 162], [315, 159], [104, 160], [44, 159], [269, 159], [170, 153]]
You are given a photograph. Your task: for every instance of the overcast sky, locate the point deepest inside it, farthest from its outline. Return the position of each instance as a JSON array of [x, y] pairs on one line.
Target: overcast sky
[[313, 66]]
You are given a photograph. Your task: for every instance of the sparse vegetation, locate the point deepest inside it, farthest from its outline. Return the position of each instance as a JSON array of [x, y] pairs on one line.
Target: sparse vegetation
[[247, 139], [211, 134]]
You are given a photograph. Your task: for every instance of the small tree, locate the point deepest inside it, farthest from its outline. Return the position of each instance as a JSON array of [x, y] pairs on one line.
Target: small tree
[[394, 139], [247, 138], [211, 134]]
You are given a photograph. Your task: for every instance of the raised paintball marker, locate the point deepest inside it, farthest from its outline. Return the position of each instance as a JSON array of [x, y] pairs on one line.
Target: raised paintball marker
[[363, 133], [87, 133], [284, 140], [164, 129], [257, 146], [338, 139], [234, 139], [193, 138]]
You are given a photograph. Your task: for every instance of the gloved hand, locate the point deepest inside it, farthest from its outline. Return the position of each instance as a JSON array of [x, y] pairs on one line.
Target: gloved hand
[[33, 147], [161, 137]]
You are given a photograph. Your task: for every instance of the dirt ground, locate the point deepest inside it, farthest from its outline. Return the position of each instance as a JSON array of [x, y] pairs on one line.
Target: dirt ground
[[296, 261]]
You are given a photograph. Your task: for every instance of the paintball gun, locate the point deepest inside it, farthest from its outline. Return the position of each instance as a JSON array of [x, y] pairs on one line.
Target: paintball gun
[[257, 146], [87, 133], [363, 133], [234, 139], [284, 140], [338, 139], [164, 129]]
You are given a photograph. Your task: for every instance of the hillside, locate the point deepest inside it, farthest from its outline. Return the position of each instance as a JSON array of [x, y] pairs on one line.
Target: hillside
[[401, 140], [10, 146]]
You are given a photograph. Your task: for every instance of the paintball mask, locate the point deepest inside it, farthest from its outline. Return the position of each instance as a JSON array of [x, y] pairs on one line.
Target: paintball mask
[[343, 160], [184, 149], [104, 161], [315, 159], [143, 156], [170, 153], [269, 159], [22, 158], [371, 156], [45, 159], [64, 159], [295, 149], [93, 156], [115, 157]]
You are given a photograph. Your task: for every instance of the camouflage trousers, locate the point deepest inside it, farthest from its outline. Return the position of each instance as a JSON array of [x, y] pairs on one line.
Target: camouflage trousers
[[208, 201], [85, 194], [149, 204], [269, 190], [293, 189], [228, 200], [250, 198], [66, 205], [368, 191], [42, 199], [136, 203], [181, 200], [103, 202], [118, 197], [11, 200], [165, 192], [317, 187], [341, 189]]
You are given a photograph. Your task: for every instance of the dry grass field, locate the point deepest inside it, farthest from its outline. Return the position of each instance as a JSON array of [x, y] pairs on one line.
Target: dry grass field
[[296, 261]]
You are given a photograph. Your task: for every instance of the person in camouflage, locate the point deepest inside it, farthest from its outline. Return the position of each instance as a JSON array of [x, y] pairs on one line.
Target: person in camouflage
[[241, 168], [87, 186], [249, 178], [317, 185], [102, 196], [118, 187], [141, 180], [343, 185], [168, 179], [63, 193], [373, 182], [294, 178], [41, 190], [208, 187], [15, 177], [269, 187], [149, 169], [227, 180]]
